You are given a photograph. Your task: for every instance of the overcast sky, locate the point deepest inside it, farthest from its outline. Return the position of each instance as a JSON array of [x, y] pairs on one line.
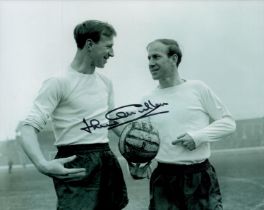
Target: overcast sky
[[222, 43]]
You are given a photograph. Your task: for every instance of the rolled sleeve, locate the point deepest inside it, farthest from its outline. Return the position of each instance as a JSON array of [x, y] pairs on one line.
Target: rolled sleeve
[[44, 104]]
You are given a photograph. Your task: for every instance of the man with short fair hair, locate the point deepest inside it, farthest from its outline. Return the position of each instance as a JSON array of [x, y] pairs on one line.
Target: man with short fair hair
[[85, 172], [184, 178]]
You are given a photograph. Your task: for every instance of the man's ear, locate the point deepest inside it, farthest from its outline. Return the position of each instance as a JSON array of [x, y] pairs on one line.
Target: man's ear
[[89, 43], [175, 57]]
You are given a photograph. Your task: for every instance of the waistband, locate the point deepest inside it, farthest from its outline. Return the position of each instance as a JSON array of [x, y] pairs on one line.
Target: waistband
[[79, 148], [183, 169]]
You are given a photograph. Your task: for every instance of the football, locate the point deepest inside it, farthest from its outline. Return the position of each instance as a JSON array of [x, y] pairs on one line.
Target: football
[[139, 142]]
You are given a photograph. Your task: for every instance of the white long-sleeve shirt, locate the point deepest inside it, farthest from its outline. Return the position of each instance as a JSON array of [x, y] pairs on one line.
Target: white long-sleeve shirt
[[191, 105], [69, 99]]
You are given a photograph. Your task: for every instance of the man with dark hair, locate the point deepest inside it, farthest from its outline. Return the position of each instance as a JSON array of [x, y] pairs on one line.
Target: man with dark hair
[[184, 178], [85, 172]]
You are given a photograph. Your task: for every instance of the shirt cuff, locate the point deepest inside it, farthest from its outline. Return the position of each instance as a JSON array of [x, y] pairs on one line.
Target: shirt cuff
[[198, 137]]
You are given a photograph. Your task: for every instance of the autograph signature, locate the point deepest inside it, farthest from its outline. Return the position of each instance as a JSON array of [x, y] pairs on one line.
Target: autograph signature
[[145, 110]]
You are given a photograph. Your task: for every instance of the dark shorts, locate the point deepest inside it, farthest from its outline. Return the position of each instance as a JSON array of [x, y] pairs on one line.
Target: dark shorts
[[102, 188], [181, 187]]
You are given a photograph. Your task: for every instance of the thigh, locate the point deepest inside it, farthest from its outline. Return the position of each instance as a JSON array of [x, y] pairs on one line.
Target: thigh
[[202, 191], [113, 191], [75, 198], [165, 192], [82, 194]]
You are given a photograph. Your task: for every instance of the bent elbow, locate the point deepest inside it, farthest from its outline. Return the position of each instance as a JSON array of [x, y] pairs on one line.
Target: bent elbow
[[232, 125]]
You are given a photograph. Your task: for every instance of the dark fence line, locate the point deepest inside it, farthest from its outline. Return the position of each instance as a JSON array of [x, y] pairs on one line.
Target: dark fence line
[[249, 133]]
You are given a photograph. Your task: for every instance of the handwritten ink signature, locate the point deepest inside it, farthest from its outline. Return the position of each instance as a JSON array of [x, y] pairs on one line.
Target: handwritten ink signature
[[145, 110]]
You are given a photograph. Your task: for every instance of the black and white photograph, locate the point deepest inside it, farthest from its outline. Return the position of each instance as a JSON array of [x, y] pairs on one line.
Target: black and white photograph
[[132, 104]]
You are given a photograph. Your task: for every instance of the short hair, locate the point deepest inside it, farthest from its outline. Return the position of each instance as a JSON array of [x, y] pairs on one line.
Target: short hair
[[173, 48], [92, 29]]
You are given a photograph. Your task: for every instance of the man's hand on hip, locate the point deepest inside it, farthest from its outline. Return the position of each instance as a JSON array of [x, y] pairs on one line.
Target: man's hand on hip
[[55, 169]]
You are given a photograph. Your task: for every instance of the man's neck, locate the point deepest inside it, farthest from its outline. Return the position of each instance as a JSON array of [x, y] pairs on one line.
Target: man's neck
[[82, 64], [171, 81]]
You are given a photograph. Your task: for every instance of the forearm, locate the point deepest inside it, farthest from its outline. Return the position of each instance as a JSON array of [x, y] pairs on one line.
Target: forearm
[[118, 130], [52, 168], [30, 145], [215, 131]]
